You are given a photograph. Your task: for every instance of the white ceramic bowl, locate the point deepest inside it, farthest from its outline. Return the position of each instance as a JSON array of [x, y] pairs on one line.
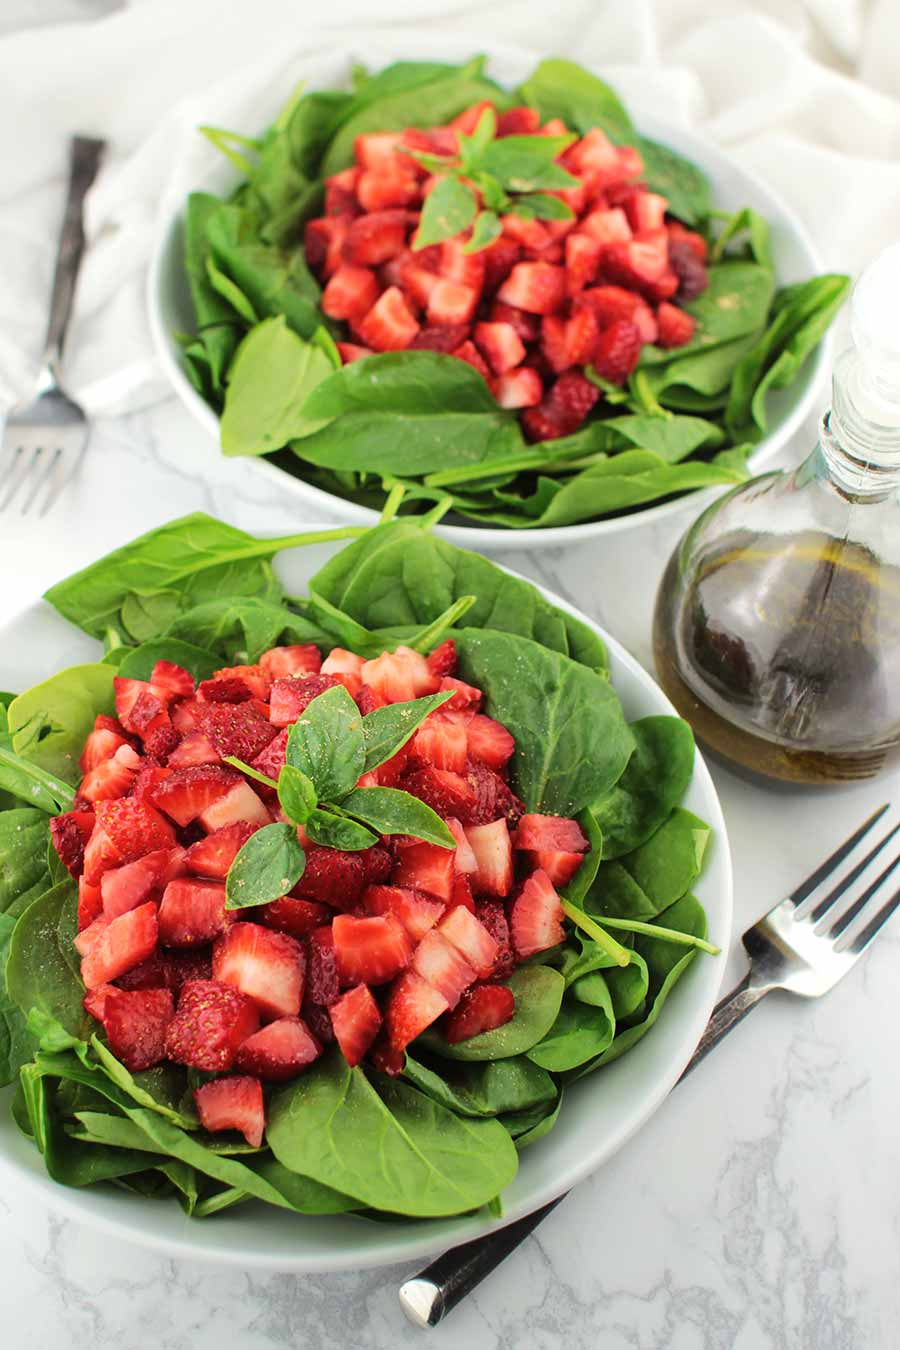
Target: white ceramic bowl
[[170, 309], [600, 1113]]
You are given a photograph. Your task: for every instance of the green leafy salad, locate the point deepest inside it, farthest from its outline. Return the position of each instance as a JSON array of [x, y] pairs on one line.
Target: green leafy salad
[[591, 958], [508, 301]]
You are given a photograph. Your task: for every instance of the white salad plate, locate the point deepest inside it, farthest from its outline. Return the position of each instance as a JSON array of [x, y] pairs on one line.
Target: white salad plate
[[202, 168], [600, 1113]]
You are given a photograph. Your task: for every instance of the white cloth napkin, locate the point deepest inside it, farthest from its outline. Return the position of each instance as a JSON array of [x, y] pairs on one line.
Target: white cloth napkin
[[792, 88]]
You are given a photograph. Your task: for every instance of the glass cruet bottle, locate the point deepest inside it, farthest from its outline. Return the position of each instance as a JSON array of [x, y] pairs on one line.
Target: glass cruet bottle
[[777, 623]]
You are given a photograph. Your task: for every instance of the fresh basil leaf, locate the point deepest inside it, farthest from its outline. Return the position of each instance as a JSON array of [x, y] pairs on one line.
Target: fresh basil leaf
[[390, 811], [541, 206], [270, 378], [296, 794], [528, 163], [471, 147], [486, 229], [331, 830], [386, 730], [447, 211], [268, 866], [326, 743]]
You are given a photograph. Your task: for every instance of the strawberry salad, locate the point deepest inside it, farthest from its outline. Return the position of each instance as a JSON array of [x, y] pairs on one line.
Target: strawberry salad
[[282, 875]]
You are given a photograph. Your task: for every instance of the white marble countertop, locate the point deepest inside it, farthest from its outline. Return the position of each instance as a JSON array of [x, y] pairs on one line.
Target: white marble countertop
[[758, 1210]]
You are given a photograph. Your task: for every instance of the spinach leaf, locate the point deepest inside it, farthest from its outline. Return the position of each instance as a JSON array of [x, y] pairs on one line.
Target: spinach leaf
[[160, 1089], [17, 1044], [423, 1160], [218, 329], [25, 783], [24, 872], [734, 304], [326, 743], [390, 811], [656, 777], [668, 864], [615, 893], [678, 179], [491, 1088], [558, 88], [242, 628], [572, 741], [274, 281], [583, 879], [271, 375], [627, 986], [538, 993], [42, 965], [756, 227], [582, 1030], [138, 663], [527, 1127], [334, 830], [386, 730], [70, 701], [268, 866]]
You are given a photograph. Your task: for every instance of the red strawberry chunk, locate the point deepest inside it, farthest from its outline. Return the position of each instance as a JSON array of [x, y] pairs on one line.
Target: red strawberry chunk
[[559, 865], [356, 1020], [324, 240], [501, 344], [371, 950], [536, 917], [582, 261], [271, 760], [468, 120], [132, 828], [234, 1103], [88, 937], [482, 1008], [301, 658], [373, 238], [465, 857], [137, 706], [124, 888], [646, 211], [90, 903], [441, 743], [425, 867], [340, 193], [554, 344], [240, 803], [462, 893], [582, 333], [211, 1023], [442, 661], [638, 264], [419, 282], [322, 984], [278, 1051], [492, 916], [235, 729], [213, 856], [676, 326], [191, 912], [536, 831], [444, 967], [528, 326], [292, 696], [493, 798], [564, 408], [332, 877], [236, 684], [446, 792], [440, 337], [350, 292], [466, 697], [148, 777], [100, 745], [378, 150], [618, 351], [168, 970], [170, 681], [136, 1023], [70, 833], [492, 847], [293, 916], [456, 265], [530, 234], [499, 260], [352, 351], [488, 741], [538, 287], [112, 777], [451, 302], [186, 793], [344, 667], [378, 862], [610, 303], [692, 275], [681, 234], [379, 189], [389, 325], [413, 1004], [469, 353], [462, 928], [417, 912], [123, 943], [395, 678], [518, 122], [606, 226], [268, 966], [159, 743]]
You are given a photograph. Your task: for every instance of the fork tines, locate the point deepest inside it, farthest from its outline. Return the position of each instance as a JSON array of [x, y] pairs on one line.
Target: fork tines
[[851, 943]]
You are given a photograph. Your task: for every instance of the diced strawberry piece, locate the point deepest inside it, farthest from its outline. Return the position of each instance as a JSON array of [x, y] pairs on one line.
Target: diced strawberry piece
[[169, 681], [646, 211], [377, 862], [373, 238], [441, 743], [350, 292], [278, 1051], [332, 878], [451, 302], [442, 661], [94, 1001], [345, 668], [322, 984], [340, 193], [493, 798], [213, 856], [168, 970], [528, 326], [191, 912], [356, 1020], [631, 164], [536, 831], [465, 858], [691, 273], [470, 937], [582, 335], [211, 1023], [425, 867], [594, 154], [90, 903], [681, 234], [378, 190], [240, 803], [268, 966], [440, 337], [617, 351], [466, 698], [252, 679], [186, 716], [112, 777], [446, 792], [553, 343], [88, 937], [352, 351], [399, 676], [132, 828], [431, 140], [292, 696], [124, 888], [462, 893], [371, 950], [518, 122], [235, 729], [234, 1103], [536, 917], [465, 268], [389, 325], [501, 344], [469, 353], [538, 287], [493, 854], [123, 943], [563, 409], [148, 778], [482, 1008], [676, 326], [611, 303], [303, 658], [492, 916], [324, 240], [529, 234], [559, 866], [292, 915], [271, 760], [136, 1022], [159, 743], [418, 283], [137, 706], [417, 912], [603, 226], [499, 259], [445, 968], [582, 260], [378, 150], [489, 741], [638, 264], [70, 833], [100, 745], [467, 121], [413, 1004], [186, 793]]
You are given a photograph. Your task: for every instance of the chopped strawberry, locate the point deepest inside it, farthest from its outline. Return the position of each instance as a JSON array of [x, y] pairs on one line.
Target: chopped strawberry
[[137, 706], [159, 743], [500, 258], [536, 917], [340, 193], [610, 303], [292, 915], [680, 233], [553, 343], [136, 1022], [228, 684], [211, 1023], [389, 325], [377, 862], [618, 351], [492, 916], [433, 140], [693, 278], [124, 888], [268, 966], [482, 1008], [442, 661], [441, 743], [549, 832], [168, 970], [417, 912], [390, 772], [676, 326], [350, 292], [344, 667], [94, 1001], [446, 792], [303, 658], [520, 388], [235, 729], [466, 698], [468, 352], [293, 695], [279, 1050], [90, 903], [332, 877], [425, 867], [440, 337], [419, 282], [191, 912], [518, 122], [582, 334], [412, 1005], [465, 857], [87, 938], [352, 351], [563, 409], [528, 326], [170, 681], [374, 238], [443, 965], [69, 834], [112, 777], [356, 1020], [322, 984], [501, 344], [101, 744], [378, 150], [451, 302], [462, 893], [234, 1103], [646, 211], [239, 803], [379, 189], [324, 241], [123, 943], [559, 865], [399, 676], [538, 287], [212, 856], [186, 716], [595, 154], [461, 927], [531, 235], [271, 760], [637, 264], [493, 854], [371, 950], [131, 829], [467, 121], [186, 793], [488, 741], [493, 798], [582, 261]]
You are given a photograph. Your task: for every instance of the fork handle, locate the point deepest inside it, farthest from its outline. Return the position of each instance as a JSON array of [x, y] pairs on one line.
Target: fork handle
[[725, 1016], [85, 154]]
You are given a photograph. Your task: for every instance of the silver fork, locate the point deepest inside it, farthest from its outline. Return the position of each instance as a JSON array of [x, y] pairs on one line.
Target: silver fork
[[45, 435], [804, 946]]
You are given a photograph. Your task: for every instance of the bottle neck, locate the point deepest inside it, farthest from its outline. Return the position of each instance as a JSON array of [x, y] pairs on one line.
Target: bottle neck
[[860, 434]]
